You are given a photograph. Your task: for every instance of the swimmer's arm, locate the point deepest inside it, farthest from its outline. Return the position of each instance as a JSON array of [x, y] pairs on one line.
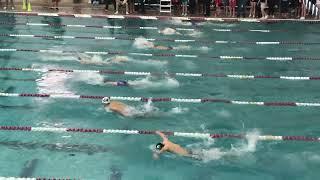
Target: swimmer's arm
[[163, 136]]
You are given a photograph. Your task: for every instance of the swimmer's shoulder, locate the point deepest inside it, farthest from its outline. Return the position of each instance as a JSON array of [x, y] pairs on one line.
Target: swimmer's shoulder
[[117, 103]]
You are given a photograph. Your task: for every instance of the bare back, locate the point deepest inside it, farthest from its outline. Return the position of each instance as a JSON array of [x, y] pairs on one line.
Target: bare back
[[118, 107], [175, 148]]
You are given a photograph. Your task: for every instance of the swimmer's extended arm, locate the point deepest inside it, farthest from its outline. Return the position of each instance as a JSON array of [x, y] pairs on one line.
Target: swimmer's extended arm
[[163, 136]]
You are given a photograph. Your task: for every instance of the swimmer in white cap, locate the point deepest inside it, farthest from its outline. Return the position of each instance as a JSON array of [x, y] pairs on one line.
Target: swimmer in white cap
[[167, 146], [116, 106]]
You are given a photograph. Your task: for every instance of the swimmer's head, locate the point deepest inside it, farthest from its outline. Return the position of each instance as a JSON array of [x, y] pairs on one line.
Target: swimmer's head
[[106, 101], [159, 146]]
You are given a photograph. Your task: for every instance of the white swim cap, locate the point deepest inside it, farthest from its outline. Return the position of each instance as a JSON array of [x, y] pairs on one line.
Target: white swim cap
[[106, 100]]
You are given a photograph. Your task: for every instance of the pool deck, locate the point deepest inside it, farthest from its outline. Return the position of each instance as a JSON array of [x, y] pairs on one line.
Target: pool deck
[[100, 13]]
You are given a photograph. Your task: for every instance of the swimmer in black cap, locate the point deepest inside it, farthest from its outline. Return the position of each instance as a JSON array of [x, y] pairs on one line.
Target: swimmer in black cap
[[167, 146]]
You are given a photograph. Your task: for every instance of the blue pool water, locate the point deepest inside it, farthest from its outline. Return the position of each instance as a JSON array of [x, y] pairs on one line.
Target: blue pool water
[[104, 156]]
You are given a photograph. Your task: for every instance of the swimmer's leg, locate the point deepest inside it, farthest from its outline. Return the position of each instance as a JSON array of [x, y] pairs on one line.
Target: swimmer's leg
[[16, 107], [29, 168], [196, 156]]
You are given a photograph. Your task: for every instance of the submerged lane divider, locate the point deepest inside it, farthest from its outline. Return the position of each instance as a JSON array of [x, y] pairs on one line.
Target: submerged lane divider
[[126, 38], [228, 58], [35, 178], [147, 132], [104, 16], [147, 27], [135, 73], [162, 99]]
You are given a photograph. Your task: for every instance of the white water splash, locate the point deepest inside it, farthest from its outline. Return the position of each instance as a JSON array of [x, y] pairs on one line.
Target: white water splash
[[54, 83], [168, 31], [178, 110], [180, 22], [142, 43], [150, 83], [89, 78], [206, 153], [86, 59], [204, 49], [145, 110]]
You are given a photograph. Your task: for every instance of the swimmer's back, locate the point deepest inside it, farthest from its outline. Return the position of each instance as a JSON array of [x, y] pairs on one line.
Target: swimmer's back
[[118, 107], [175, 148]]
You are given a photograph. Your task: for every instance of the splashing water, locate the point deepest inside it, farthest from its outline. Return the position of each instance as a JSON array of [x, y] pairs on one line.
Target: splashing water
[[178, 110], [53, 83], [145, 110], [149, 83], [207, 154], [180, 22], [142, 43], [89, 77], [204, 49], [168, 31], [95, 59]]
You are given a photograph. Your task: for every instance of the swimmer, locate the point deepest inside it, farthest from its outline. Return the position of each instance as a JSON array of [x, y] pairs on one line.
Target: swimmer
[[152, 46], [116, 106], [167, 146], [117, 83], [85, 59], [162, 47]]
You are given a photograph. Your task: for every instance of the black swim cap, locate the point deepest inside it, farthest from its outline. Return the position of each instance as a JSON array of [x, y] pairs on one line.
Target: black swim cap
[[159, 146]]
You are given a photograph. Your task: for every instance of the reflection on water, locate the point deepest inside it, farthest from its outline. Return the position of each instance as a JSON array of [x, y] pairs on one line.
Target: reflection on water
[[89, 149]]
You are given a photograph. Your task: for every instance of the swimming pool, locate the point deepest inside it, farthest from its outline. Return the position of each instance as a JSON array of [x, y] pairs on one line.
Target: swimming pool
[[114, 156]]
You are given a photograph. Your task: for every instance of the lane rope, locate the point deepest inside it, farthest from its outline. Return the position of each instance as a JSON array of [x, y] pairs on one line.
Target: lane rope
[[150, 27], [192, 56], [104, 16], [136, 73], [127, 38], [94, 26], [150, 132], [164, 99]]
